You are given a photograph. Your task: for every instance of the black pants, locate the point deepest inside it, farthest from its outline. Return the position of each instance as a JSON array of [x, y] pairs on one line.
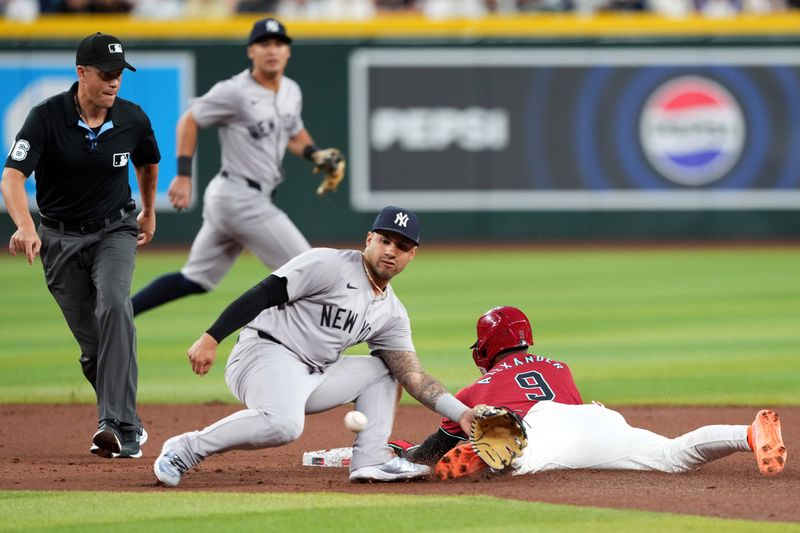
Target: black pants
[[90, 278]]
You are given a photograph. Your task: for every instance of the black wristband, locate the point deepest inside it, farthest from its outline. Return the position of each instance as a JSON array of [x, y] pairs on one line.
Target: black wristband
[[309, 150], [434, 447], [184, 165]]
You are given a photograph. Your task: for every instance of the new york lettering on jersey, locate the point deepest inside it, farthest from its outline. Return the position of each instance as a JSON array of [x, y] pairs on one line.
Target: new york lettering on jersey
[[255, 124], [328, 288], [345, 320], [337, 317], [264, 119]]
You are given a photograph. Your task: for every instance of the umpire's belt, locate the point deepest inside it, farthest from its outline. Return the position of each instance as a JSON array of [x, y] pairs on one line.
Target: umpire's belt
[[250, 183], [87, 226], [267, 336]]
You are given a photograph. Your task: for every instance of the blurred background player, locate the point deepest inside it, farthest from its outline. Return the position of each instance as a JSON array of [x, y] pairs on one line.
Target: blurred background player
[[258, 112], [563, 433]]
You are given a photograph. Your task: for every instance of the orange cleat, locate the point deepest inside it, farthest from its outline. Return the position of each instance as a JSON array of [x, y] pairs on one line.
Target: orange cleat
[[461, 461], [767, 443]]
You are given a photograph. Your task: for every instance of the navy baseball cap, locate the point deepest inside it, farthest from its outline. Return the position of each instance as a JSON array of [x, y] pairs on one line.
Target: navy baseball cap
[[398, 220], [268, 28], [102, 51]]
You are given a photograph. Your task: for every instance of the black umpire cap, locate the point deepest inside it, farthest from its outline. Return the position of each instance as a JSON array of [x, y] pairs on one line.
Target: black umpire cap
[[398, 220], [102, 51], [268, 28]]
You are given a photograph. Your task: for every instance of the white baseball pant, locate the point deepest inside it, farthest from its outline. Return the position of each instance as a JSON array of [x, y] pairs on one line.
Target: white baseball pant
[[591, 436]]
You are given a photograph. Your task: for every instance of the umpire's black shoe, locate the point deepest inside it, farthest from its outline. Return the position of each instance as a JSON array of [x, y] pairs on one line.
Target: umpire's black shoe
[[107, 441], [130, 444], [132, 440]]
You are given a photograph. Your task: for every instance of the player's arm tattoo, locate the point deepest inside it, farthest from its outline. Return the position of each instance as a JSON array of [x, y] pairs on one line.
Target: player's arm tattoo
[[406, 368]]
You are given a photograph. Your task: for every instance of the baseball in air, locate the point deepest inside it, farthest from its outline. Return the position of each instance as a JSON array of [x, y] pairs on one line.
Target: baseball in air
[[355, 421]]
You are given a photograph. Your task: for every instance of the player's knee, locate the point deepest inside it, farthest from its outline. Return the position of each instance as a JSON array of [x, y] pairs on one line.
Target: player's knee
[[88, 363], [198, 283], [277, 431], [110, 303], [385, 379], [191, 287], [375, 368]]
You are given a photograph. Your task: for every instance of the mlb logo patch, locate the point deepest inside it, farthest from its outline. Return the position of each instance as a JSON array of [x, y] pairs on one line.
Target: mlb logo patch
[[115, 48], [121, 160]]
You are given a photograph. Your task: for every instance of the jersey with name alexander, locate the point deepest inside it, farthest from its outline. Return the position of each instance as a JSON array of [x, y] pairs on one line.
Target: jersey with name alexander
[[81, 174], [332, 307], [518, 382]]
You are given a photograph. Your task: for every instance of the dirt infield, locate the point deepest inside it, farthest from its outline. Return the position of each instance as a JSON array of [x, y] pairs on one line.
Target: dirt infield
[[46, 447]]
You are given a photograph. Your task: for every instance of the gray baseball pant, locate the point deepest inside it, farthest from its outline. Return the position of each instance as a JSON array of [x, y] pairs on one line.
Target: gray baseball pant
[[236, 217], [279, 391], [90, 278]]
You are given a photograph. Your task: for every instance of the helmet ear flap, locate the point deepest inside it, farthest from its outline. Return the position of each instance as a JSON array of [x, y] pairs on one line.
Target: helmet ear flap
[[479, 356]]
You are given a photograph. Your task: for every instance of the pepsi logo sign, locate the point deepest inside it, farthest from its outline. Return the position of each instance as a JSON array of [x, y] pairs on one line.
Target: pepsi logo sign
[[692, 130]]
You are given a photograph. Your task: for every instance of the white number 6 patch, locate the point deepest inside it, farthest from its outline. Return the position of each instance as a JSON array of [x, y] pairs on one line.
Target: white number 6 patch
[[20, 150]]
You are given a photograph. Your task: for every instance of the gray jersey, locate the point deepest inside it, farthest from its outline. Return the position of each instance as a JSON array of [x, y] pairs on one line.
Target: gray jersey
[[255, 125], [332, 307]]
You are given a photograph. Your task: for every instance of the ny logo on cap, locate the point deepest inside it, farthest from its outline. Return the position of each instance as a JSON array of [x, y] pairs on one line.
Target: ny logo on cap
[[115, 48], [401, 219], [273, 26]]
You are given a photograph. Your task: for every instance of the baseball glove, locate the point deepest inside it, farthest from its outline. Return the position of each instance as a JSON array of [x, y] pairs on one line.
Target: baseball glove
[[332, 163], [497, 435]]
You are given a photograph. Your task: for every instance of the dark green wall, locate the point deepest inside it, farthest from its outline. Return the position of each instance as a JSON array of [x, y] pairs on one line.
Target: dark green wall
[[321, 68]]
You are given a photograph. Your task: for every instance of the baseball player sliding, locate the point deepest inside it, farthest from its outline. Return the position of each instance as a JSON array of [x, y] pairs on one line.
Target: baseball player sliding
[[258, 112], [564, 433], [288, 359]]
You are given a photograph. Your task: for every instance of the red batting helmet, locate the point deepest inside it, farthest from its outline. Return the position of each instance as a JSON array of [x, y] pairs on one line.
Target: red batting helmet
[[500, 329]]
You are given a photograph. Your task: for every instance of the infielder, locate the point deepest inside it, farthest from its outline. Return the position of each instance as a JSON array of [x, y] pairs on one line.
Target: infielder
[[288, 359], [562, 432], [258, 112]]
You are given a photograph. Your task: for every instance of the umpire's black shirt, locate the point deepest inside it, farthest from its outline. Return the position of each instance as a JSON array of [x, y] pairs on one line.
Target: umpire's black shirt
[[82, 174]]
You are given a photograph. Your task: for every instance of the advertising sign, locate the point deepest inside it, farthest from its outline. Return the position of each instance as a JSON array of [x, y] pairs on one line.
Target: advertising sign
[[513, 129], [161, 85]]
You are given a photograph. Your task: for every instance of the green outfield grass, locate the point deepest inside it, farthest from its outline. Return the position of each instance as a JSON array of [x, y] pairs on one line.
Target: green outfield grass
[[652, 326], [214, 512]]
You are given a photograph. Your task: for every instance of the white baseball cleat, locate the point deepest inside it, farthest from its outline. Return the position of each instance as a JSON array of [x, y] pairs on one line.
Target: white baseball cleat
[[168, 466], [397, 469]]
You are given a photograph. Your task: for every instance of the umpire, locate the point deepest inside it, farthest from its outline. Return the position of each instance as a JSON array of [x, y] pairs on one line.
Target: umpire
[[79, 143]]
